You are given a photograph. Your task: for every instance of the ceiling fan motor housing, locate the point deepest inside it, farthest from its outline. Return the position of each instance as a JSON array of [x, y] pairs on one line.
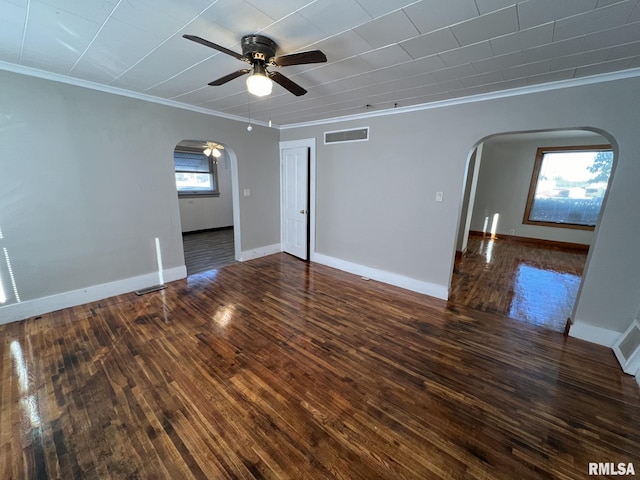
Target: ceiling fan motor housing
[[258, 47]]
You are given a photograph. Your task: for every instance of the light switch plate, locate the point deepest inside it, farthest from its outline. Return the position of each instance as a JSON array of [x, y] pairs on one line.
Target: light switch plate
[[438, 196], [247, 192]]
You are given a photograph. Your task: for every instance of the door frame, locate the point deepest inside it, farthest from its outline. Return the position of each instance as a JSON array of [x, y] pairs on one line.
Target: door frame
[[309, 143]]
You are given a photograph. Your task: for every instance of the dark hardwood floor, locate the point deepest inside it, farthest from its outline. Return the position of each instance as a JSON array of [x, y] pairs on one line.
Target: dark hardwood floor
[[277, 368], [530, 283], [208, 250]]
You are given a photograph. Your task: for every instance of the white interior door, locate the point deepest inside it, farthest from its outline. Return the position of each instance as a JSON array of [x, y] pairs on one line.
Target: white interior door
[[295, 201]]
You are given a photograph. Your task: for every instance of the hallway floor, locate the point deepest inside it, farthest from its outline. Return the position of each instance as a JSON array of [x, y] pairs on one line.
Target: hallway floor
[[531, 283], [208, 250]]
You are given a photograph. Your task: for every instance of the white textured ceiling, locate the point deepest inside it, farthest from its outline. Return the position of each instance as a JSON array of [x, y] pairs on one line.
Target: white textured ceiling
[[381, 53]]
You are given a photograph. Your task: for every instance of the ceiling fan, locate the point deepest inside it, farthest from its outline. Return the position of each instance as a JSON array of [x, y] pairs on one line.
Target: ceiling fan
[[260, 52]]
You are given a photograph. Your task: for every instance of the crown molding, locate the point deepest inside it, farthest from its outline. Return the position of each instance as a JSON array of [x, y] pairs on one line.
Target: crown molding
[[78, 82], [544, 87]]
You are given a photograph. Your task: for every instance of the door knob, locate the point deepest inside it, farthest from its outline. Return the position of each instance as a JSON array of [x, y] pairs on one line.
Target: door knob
[[302, 211]]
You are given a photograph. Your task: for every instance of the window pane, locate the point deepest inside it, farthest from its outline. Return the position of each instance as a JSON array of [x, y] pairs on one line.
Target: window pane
[[571, 186], [194, 182]]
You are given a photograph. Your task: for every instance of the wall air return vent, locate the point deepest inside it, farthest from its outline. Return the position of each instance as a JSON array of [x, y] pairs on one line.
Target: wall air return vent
[[627, 349], [344, 136]]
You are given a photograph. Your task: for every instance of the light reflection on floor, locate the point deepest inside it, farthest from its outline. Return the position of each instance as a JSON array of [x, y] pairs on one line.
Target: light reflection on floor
[[528, 282], [539, 294]]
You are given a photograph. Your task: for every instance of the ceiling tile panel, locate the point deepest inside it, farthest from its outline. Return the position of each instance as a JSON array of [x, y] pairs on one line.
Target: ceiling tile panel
[[95, 11], [635, 63], [454, 73], [523, 71], [482, 79], [615, 36], [55, 39], [498, 62], [385, 57], [623, 51], [579, 59], [278, 8], [384, 74], [378, 8], [486, 6], [392, 28], [523, 39], [429, 15], [11, 32], [118, 47], [346, 44], [100, 73], [553, 50], [196, 76], [293, 33], [423, 65], [335, 17], [593, 21], [471, 53], [237, 16], [430, 43], [551, 77], [604, 67], [487, 26], [536, 12], [634, 16]]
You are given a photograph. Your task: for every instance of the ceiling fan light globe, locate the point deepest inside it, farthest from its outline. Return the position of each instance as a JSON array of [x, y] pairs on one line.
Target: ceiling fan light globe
[[259, 85], [216, 153], [207, 152]]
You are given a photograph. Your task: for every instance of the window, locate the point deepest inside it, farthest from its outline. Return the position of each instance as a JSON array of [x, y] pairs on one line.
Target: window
[[568, 186], [196, 174]]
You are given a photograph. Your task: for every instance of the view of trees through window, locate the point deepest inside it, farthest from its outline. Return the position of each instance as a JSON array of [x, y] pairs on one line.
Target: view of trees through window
[[568, 186]]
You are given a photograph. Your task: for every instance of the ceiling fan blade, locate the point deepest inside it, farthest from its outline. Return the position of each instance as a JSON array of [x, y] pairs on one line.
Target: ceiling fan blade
[[290, 85], [312, 56], [228, 78], [215, 46]]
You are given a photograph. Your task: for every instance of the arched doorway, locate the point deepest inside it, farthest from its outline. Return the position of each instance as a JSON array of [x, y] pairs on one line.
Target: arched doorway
[[207, 188], [507, 261]]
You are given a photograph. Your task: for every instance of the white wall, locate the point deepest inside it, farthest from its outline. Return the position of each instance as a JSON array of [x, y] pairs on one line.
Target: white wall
[[503, 185], [202, 213], [87, 182], [376, 200]]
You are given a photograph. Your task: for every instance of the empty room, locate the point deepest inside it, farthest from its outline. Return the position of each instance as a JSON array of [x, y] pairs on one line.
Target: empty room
[[391, 208]]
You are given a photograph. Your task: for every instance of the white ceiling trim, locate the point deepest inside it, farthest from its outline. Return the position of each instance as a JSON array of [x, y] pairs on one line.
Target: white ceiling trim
[[77, 82], [600, 78], [545, 87]]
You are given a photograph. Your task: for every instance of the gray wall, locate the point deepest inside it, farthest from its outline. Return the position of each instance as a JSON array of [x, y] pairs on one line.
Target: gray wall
[[503, 185], [202, 213], [376, 200], [87, 183]]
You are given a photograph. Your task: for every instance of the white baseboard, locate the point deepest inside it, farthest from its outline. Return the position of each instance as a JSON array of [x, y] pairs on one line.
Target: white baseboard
[[40, 306], [260, 252], [592, 334], [427, 288]]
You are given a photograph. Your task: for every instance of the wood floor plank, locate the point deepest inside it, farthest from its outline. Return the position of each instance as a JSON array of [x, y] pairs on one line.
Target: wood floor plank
[[276, 368]]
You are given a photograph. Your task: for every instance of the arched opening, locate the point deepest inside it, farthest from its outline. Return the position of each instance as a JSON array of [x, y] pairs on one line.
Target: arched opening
[[530, 212], [207, 188]]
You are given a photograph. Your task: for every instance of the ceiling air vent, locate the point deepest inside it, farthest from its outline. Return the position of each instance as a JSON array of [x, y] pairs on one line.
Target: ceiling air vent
[[344, 136]]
